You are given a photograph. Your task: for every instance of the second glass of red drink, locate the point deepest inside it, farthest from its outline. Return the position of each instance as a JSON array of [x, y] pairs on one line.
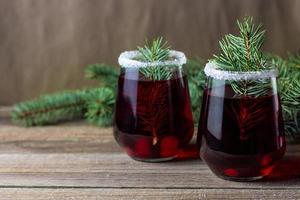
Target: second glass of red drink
[[241, 123]]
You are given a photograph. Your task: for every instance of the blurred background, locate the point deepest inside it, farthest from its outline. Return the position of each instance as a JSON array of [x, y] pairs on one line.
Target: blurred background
[[46, 44]]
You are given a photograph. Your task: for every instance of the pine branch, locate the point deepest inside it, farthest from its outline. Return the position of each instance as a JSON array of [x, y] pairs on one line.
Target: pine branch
[[69, 105], [100, 105], [290, 94], [243, 53], [196, 80], [156, 51], [107, 75], [49, 109], [294, 60], [95, 104], [289, 89]]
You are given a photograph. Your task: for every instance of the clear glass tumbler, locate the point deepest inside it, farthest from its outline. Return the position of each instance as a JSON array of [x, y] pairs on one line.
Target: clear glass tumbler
[[153, 117], [241, 123]]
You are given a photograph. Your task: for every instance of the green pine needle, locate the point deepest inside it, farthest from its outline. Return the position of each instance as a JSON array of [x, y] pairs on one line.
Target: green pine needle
[[196, 80], [289, 90], [294, 60], [107, 75], [156, 51], [100, 105], [243, 52], [49, 109], [95, 104]]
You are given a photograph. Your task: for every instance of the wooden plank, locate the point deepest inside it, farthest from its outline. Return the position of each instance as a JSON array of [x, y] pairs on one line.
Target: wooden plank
[[73, 137], [77, 155], [114, 170], [69, 137], [145, 194]]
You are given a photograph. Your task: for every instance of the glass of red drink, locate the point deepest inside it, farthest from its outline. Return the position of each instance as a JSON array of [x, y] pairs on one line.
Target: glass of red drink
[[241, 123], [153, 117]]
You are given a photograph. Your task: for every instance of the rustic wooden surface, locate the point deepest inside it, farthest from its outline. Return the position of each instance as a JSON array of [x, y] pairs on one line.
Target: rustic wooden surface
[[79, 161]]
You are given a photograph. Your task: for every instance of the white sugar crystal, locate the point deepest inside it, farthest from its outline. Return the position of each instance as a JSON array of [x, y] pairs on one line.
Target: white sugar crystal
[[127, 60], [212, 71]]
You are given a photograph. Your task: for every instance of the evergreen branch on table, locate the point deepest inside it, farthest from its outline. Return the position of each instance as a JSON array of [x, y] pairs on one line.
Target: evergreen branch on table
[[289, 89], [107, 75], [290, 98], [100, 105], [49, 109], [63, 106], [243, 53], [156, 51]]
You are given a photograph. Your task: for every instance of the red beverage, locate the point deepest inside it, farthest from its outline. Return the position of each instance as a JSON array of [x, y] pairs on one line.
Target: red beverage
[[153, 119], [243, 137]]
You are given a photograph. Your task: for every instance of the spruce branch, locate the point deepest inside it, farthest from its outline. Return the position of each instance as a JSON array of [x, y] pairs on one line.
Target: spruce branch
[[69, 105], [100, 105], [95, 104], [49, 109], [294, 60], [289, 89], [294, 75], [156, 51], [107, 75], [243, 53], [290, 98], [196, 80]]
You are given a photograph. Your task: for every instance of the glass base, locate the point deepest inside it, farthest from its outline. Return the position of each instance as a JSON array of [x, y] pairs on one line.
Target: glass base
[[154, 160], [241, 179]]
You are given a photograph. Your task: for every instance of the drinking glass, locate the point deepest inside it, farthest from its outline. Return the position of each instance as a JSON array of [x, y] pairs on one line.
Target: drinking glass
[[153, 117], [241, 123]]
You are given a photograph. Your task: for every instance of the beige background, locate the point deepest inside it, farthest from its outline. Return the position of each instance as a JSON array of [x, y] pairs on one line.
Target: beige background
[[45, 44]]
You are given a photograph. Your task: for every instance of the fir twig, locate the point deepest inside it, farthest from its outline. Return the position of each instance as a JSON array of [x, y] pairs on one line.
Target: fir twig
[[100, 105], [156, 51], [243, 53], [196, 80], [289, 89], [107, 75], [49, 109], [95, 104]]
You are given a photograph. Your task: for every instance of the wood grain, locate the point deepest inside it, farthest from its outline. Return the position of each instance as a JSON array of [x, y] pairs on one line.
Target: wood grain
[[79, 161], [118, 171], [80, 155], [145, 194]]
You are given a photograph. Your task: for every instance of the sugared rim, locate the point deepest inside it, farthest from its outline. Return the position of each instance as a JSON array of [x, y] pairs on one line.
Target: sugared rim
[[212, 71], [126, 59]]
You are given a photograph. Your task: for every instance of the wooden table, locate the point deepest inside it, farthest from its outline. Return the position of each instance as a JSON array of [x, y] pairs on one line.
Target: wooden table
[[79, 161]]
